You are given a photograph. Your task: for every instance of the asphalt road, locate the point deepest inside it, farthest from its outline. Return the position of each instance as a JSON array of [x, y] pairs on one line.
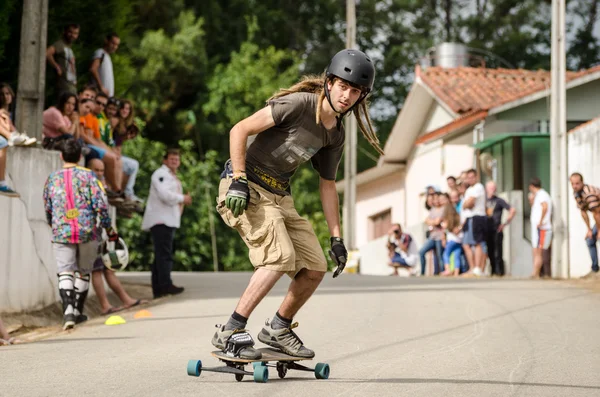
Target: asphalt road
[[382, 336]]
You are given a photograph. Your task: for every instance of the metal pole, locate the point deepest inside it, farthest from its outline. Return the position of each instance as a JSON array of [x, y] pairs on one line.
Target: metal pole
[[558, 144], [349, 216], [32, 68]]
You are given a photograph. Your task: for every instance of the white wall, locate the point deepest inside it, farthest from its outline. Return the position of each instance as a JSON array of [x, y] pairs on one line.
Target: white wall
[[584, 157], [376, 197], [27, 266], [582, 104], [437, 117]]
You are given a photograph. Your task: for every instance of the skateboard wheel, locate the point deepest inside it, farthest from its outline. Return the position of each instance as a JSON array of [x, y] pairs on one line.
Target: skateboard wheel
[[261, 374], [322, 371], [239, 377], [258, 364], [194, 367]]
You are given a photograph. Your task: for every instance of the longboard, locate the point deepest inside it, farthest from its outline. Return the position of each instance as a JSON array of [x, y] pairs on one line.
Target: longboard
[[270, 358]]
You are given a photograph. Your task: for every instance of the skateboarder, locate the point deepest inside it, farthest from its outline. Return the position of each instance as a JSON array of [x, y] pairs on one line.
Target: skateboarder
[[301, 123]]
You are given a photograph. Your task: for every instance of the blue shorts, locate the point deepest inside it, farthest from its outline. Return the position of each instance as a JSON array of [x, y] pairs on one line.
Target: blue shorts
[[100, 152], [3, 142], [399, 260]]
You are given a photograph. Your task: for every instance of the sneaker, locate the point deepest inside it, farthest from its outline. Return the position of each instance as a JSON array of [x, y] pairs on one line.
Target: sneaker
[[16, 139], [6, 191], [477, 272], [174, 290], [222, 336], [69, 321], [286, 340], [81, 319]]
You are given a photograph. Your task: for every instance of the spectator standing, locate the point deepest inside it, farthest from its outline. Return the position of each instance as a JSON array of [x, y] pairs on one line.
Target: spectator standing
[[61, 57], [451, 181], [473, 212], [162, 216], [541, 225], [436, 233], [99, 270], [453, 241], [73, 201], [495, 228], [588, 199], [102, 66]]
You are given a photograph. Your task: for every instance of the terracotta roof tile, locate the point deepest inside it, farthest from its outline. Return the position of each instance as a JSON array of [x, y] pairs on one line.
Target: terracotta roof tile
[[466, 89], [461, 122]]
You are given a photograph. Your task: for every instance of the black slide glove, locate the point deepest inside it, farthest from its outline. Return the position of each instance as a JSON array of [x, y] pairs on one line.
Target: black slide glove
[[237, 196], [338, 254]]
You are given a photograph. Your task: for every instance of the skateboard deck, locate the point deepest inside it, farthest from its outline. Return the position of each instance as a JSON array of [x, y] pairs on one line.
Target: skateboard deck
[[270, 358]]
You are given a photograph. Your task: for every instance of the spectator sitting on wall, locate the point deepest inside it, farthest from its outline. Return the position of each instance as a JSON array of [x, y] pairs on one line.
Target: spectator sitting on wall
[[7, 99], [125, 130], [402, 250], [61, 122], [102, 66], [5, 190], [99, 270], [62, 59], [111, 159]]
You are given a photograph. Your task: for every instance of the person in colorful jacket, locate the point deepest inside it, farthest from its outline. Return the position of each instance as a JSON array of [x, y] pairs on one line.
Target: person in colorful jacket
[[73, 200]]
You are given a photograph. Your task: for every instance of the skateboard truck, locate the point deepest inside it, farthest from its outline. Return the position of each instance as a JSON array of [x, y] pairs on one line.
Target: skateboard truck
[[340, 265]]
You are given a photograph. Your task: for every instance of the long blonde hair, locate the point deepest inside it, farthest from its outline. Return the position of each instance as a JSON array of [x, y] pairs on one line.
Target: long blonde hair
[[314, 84]]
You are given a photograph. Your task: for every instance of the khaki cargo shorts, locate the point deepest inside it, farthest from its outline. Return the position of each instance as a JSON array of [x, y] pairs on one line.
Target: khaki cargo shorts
[[277, 236]]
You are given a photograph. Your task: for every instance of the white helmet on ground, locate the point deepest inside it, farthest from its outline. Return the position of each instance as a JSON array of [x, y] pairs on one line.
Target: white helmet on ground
[[114, 254]]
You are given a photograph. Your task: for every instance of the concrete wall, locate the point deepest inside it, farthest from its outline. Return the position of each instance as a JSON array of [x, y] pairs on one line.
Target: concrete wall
[[584, 157], [376, 197], [27, 265]]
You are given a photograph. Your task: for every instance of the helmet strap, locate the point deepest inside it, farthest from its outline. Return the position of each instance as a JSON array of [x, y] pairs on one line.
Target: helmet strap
[[340, 116]]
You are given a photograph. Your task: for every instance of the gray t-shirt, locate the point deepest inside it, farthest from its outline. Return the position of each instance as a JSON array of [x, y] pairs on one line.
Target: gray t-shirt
[[105, 70], [65, 58], [273, 156]]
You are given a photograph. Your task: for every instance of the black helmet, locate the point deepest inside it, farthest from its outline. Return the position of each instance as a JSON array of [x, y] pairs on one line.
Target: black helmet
[[355, 67]]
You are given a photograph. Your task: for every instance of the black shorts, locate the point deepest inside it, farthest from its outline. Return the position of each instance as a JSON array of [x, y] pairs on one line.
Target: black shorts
[[475, 229]]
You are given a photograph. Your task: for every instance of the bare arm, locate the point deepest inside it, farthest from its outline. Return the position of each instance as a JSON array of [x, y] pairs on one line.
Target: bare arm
[[586, 219], [469, 203], [94, 71], [238, 137], [50, 51], [544, 211], [331, 206], [511, 214]]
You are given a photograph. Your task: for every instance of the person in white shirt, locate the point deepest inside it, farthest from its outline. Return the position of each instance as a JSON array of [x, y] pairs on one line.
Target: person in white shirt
[[473, 211], [162, 216], [102, 67], [541, 224], [403, 250]]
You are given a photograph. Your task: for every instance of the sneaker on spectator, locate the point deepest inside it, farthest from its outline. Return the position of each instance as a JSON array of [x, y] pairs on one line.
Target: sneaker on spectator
[[477, 272], [18, 139], [6, 191]]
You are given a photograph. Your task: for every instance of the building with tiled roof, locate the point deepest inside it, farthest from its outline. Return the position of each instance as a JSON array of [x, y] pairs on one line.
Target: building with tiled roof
[[449, 118]]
